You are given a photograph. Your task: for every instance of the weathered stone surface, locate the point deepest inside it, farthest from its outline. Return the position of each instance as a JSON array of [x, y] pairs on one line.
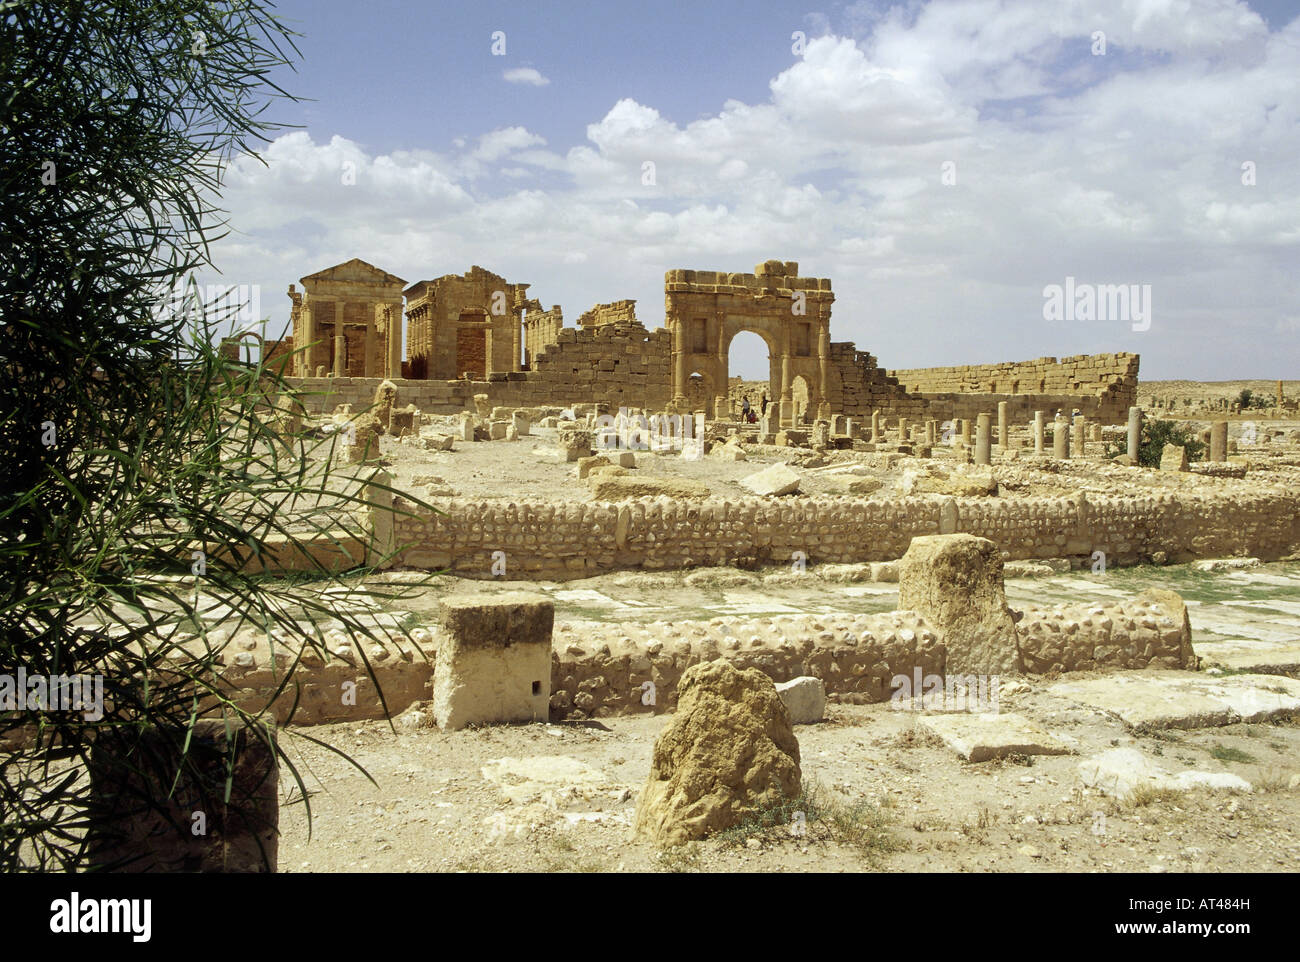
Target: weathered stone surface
[[772, 482], [955, 582], [729, 750], [586, 464], [804, 698], [1173, 458], [851, 484], [989, 735], [1179, 699], [1118, 772], [363, 432], [494, 663], [619, 488]]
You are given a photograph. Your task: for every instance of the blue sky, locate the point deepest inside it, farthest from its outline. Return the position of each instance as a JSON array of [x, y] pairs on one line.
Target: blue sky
[[943, 163]]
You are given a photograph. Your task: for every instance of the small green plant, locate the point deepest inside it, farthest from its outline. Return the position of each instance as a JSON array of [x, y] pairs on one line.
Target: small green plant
[[1230, 754], [863, 825]]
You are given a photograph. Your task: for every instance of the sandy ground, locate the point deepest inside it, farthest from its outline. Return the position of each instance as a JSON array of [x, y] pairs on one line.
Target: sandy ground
[[434, 808]]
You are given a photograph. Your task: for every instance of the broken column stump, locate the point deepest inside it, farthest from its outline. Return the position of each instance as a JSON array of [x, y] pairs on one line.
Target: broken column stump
[[955, 582], [140, 824], [494, 663]]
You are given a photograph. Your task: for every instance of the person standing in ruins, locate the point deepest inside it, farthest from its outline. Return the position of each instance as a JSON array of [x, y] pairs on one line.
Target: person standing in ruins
[[762, 406], [744, 408]]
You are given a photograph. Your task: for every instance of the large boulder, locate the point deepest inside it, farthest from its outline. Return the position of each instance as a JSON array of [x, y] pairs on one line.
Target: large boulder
[[955, 582], [729, 751]]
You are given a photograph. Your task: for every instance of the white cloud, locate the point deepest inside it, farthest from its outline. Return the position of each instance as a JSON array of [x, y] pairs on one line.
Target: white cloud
[[1116, 169], [525, 75]]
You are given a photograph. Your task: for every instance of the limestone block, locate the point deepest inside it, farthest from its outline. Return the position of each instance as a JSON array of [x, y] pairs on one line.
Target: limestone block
[[585, 465], [804, 698], [729, 751], [494, 662], [521, 424], [985, 736], [955, 582], [497, 430], [624, 459], [465, 427], [772, 482], [1174, 458], [605, 487]]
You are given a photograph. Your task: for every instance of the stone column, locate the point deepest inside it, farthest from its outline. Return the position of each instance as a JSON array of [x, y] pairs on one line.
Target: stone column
[[340, 355], [1080, 434], [966, 430], [931, 432], [308, 345], [1219, 441], [367, 367], [824, 367], [722, 394], [1280, 396], [1134, 432], [983, 445], [902, 431], [875, 427], [679, 360], [1038, 433], [1061, 438], [517, 350], [394, 313], [787, 385], [1002, 426]]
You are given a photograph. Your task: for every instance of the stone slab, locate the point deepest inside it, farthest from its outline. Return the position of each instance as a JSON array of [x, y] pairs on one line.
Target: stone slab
[[1184, 700], [988, 735]]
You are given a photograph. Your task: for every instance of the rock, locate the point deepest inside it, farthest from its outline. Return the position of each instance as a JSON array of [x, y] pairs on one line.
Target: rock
[[848, 484], [729, 751], [804, 698], [1174, 458], [586, 464], [728, 452], [1226, 564], [439, 442], [625, 459], [772, 482], [955, 582], [979, 738], [362, 437], [619, 488], [1119, 771], [1182, 699]]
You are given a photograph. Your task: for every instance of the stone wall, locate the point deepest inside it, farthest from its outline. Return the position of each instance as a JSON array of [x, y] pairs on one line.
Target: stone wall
[[1102, 386], [601, 668], [618, 312], [622, 365], [541, 328], [574, 539]]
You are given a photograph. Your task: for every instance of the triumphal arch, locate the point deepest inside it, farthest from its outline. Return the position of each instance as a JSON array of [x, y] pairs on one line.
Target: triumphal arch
[[704, 310]]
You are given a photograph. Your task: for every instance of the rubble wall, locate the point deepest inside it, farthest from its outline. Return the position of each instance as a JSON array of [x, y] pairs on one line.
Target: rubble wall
[[602, 668], [1102, 386], [622, 365], [576, 539]]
